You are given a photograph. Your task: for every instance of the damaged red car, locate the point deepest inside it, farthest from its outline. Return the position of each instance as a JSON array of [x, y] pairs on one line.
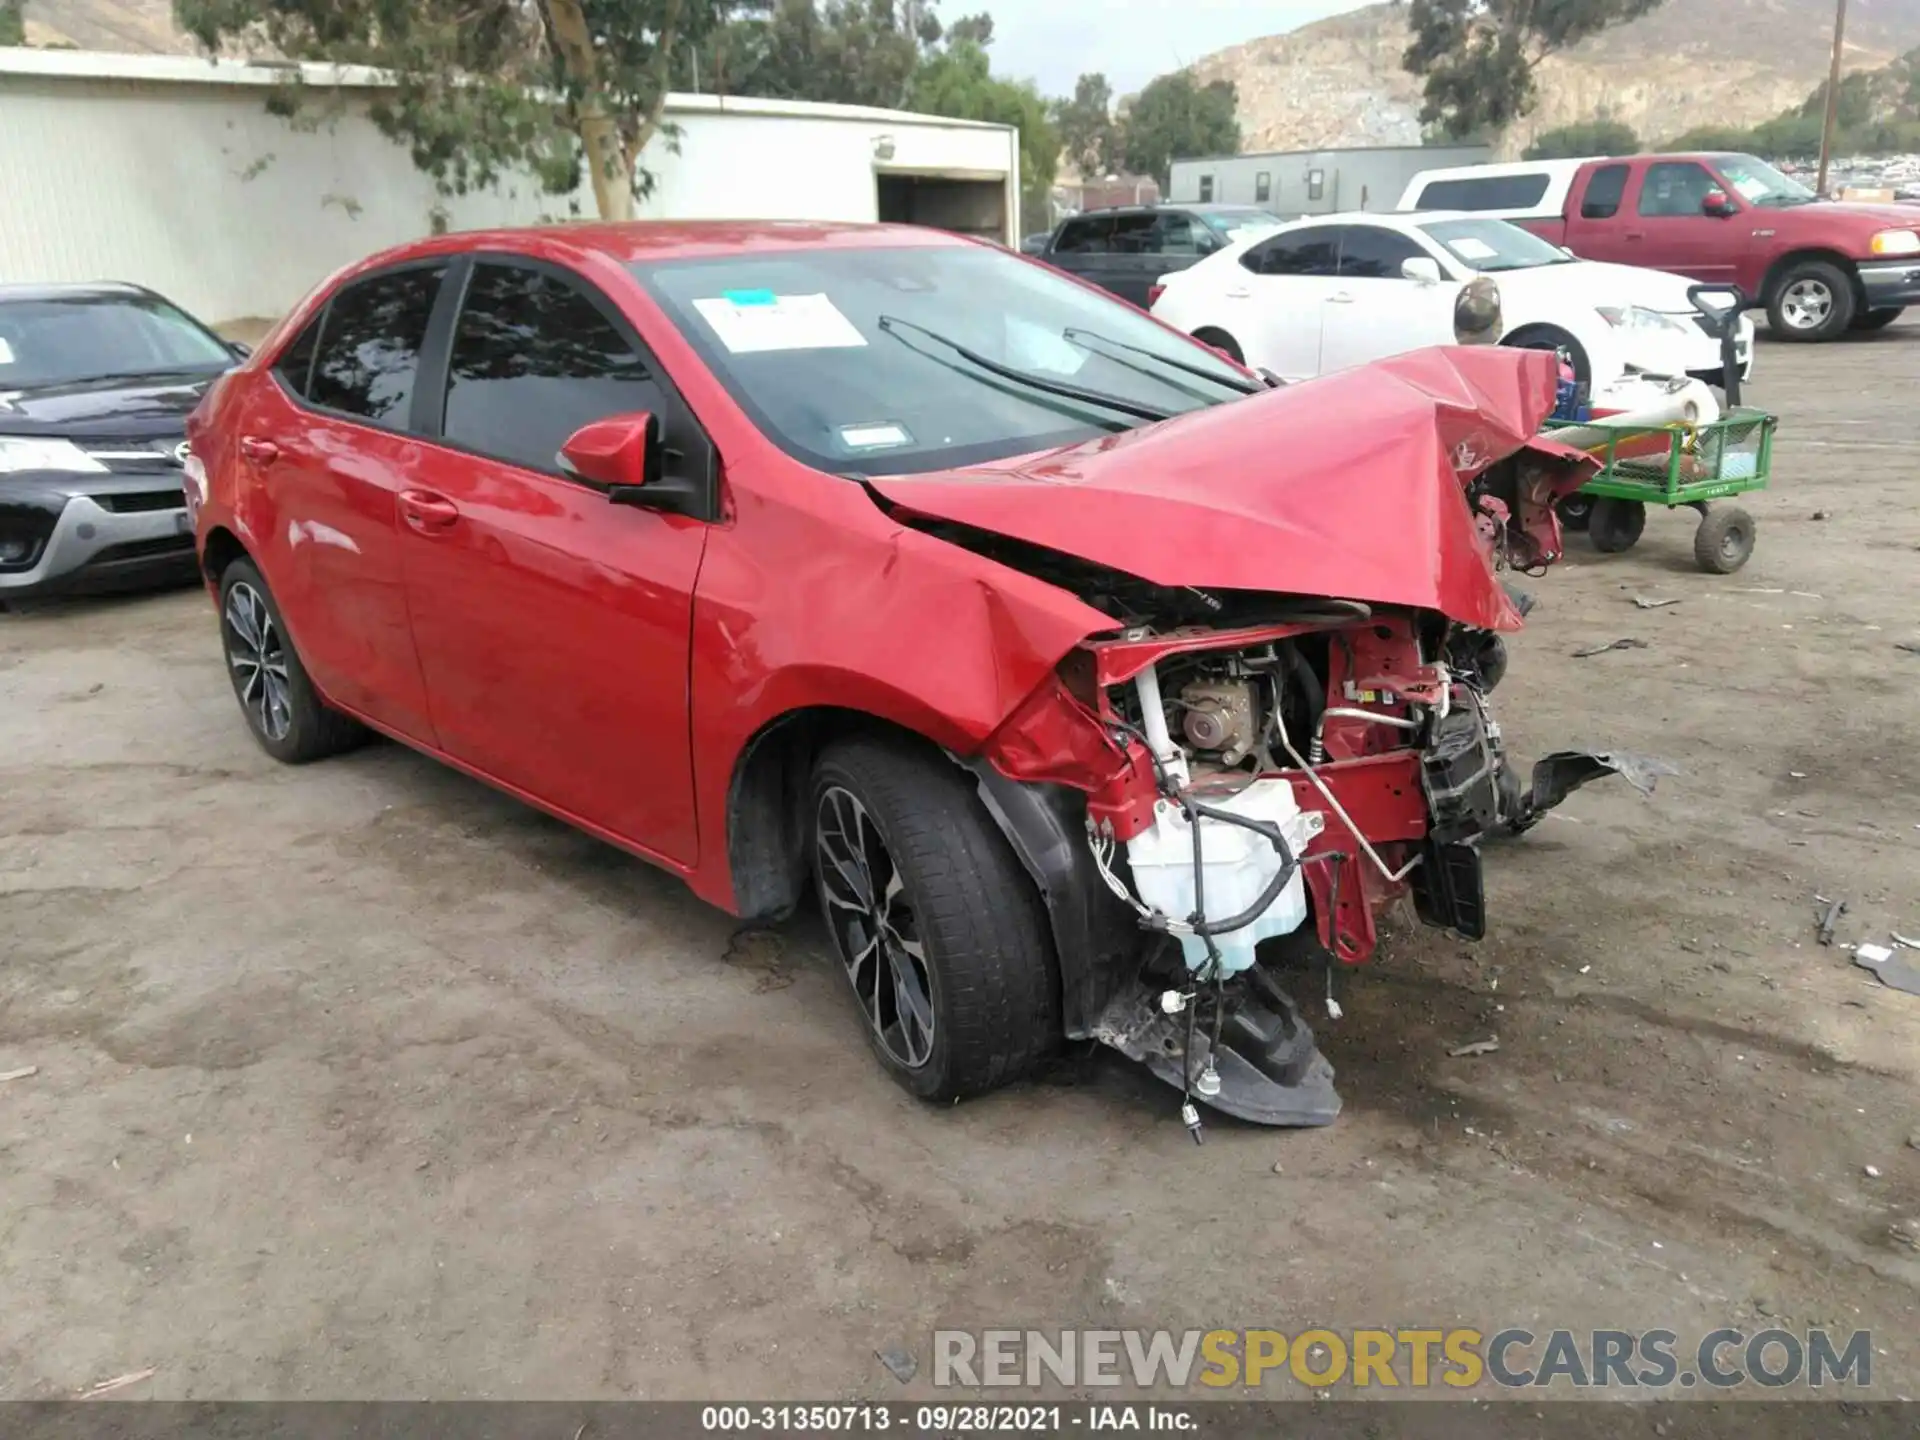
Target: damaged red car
[[1060, 660]]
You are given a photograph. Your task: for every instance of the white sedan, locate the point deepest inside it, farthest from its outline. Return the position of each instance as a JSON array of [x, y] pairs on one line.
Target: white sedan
[[1340, 290]]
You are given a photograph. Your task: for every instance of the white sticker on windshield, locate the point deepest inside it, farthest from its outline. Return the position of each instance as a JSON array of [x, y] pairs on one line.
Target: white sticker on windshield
[[873, 437], [751, 321], [1751, 187], [1469, 247], [6, 351]]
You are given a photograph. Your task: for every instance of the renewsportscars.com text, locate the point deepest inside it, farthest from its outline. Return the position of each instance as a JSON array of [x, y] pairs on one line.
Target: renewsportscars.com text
[[1409, 1359]]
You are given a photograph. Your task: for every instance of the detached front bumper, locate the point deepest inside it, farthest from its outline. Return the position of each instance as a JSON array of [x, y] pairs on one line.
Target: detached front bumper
[[114, 532], [1890, 284]]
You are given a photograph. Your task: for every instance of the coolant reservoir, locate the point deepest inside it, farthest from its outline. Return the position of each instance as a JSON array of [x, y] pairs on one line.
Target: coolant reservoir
[[1238, 865]]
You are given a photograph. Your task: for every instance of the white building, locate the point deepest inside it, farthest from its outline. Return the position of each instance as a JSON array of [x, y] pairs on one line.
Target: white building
[[168, 171]]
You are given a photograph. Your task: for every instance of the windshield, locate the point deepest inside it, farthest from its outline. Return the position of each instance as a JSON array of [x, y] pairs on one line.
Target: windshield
[[1492, 245], [1758, 183], [60, 340], [850, 360]]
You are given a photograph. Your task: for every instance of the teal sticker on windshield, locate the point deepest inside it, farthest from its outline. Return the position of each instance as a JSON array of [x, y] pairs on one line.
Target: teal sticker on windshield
[[750, 297]]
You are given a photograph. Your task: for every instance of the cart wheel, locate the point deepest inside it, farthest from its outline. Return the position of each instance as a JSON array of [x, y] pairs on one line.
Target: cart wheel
[[1575, 512], [1724, 540], [1615, 525]]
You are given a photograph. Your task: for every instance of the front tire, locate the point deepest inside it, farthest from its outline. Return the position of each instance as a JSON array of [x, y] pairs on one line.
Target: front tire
[[939, 931], [284, 712], [1724, 541], [1812, 301], [1548, 337]]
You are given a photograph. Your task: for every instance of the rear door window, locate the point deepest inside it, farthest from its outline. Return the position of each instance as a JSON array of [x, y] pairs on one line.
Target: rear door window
[[1135, 234], [1299, 252], [1485, 192], [1604, 191], [533, 359], [369, 351], [1368, 252], [294, 368], [1087, 235]]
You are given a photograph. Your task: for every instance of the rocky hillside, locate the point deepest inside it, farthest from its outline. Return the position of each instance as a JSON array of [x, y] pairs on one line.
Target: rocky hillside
[[134, 25], [1734, 62]]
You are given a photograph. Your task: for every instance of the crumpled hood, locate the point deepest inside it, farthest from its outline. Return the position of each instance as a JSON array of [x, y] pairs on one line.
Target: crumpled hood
[[1349, 486]]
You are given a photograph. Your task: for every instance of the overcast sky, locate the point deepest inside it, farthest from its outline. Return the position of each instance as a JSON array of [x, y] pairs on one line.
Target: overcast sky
[[1053, 42]]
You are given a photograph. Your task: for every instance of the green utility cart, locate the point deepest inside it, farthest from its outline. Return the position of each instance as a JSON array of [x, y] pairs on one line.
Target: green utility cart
[[1698, 466]]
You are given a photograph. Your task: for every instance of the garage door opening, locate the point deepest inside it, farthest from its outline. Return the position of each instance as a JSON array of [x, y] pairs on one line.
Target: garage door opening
[[967, 206]]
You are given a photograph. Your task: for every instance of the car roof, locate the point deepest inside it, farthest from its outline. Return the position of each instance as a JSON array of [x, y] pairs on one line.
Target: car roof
[[1390, 219], [74, 290], [636, 241]]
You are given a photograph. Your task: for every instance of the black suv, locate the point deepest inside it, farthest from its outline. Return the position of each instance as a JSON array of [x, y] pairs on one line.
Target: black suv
[[1127, 248]]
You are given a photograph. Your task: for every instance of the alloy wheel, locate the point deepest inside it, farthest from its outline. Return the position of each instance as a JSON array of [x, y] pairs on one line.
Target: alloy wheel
[[874, 927], [257, 653], [1806, 304]]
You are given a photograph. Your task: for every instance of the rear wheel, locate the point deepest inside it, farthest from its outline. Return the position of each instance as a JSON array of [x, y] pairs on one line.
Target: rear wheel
[[939, 931], [1575, 511], [1615, 525], [1812, 301], [1879, 319], [283, 711], [1221, 341], [1724, 541]]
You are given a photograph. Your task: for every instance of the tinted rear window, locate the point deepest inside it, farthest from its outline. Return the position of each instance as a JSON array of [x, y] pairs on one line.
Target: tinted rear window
[[1485, 192], [1604, 190], [370, 345]]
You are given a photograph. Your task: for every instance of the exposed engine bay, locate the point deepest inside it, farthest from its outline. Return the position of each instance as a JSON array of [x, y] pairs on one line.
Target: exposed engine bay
[[1285, 723], [1319, 772]]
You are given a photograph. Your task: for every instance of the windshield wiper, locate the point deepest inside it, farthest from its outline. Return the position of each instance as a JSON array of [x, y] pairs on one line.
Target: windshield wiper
[[890, 324], [1225, 382]]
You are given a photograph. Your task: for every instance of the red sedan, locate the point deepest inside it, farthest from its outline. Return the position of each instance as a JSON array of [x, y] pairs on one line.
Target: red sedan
[[1063, 660]]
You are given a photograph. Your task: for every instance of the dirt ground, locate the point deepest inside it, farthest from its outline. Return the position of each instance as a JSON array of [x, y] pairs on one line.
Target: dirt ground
[[362, 1080]]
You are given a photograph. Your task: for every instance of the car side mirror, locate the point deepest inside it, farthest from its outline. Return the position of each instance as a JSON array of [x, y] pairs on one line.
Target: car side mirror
[[625, 456], [1718, 204], [1422, 269]]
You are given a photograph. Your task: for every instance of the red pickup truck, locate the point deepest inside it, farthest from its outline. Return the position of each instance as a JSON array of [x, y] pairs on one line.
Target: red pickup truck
[[1819, 267]]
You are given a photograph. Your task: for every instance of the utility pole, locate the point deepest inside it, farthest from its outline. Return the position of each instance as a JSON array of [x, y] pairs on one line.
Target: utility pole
[[1833, 97]]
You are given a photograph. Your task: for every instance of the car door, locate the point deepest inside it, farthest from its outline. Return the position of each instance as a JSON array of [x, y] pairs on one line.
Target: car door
[[1132, 262], [1670, 229], [1596, 230], [1080, 247], [1375, 310], [1178, 241], [1276, 306], [554, 626], [324, 453]]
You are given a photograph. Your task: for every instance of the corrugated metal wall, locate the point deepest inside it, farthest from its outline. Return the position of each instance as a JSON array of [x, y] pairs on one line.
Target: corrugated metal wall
[[199, 193], [187, 185]]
